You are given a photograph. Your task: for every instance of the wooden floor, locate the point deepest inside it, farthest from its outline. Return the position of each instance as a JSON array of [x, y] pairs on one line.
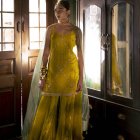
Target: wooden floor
[[19, 138]]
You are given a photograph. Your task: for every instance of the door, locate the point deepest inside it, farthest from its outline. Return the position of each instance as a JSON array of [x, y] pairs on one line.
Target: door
[[118, 105], [123, 54], [22, 30], [92, 22], [35, 20], [10, 69]]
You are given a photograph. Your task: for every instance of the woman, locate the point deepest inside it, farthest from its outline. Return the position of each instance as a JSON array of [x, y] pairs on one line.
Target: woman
[[59, 111]]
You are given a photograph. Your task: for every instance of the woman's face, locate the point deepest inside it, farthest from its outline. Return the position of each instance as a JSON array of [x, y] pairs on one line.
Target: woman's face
[[61, 13]]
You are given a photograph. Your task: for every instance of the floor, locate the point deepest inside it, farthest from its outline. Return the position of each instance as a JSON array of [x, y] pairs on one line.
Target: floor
[[18, 138]]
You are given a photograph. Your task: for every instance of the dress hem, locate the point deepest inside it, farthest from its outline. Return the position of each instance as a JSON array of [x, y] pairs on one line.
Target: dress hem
[[58, 94]]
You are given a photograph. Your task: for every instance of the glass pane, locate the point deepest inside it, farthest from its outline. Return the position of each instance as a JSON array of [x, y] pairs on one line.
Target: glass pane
[[34, 45], [122, 30], [42, 44], [34, 34], [0, 5], [8, 35], [92, 51], [8, 5], [37, 22], [8, 47], [42, 20], [0, 35], [8, 20], [34, 20], [42, 5], [42, 34], [0, 20], [33, 6]]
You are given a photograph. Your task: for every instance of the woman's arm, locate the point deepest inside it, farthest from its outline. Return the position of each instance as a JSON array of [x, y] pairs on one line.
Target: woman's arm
[[80, 58], [46, 48], [45, 57]]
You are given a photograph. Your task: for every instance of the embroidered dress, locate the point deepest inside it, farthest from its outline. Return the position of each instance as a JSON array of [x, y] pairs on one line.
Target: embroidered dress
[[63, 71], [59, 113]]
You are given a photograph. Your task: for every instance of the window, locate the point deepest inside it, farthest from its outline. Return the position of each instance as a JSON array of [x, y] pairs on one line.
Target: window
[[122, 42], [93, 57], [37, 23], [7, 25]]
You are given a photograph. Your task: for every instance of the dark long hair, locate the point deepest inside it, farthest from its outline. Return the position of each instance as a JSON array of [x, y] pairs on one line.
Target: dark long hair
[[64, 3]]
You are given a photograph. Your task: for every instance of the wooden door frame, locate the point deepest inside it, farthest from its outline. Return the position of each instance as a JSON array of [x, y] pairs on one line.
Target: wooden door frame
[[11, 82]]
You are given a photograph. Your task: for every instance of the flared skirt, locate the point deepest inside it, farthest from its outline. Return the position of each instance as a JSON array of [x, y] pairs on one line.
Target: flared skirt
[[58, 118]]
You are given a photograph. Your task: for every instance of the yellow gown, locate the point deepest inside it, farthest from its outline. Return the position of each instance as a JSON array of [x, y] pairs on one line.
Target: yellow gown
[[59, 113]]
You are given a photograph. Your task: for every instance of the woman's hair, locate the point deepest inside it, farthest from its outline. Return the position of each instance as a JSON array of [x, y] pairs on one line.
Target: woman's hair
[[64, 3]]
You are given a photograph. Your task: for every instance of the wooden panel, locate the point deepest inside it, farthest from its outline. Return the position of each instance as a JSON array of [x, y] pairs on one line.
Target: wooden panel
[[8, 121], [7, 55], [7, 108], [7, 81], [32, 62], [7, 66], [126, 118], [7, 132], [97, 122]]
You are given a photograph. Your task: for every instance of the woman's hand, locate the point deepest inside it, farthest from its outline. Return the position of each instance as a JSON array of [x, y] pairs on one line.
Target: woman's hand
[[41, 83], [79, 85]]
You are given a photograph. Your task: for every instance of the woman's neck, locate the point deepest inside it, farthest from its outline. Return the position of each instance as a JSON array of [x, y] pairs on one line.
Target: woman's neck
[[64, 22]]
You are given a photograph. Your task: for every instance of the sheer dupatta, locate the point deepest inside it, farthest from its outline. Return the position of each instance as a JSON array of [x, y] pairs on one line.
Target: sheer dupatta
[[85, 106], [34, 97]]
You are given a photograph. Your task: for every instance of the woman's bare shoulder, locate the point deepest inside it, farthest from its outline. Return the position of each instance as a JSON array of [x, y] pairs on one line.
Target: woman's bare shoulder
[[52, 26], [76, 29]]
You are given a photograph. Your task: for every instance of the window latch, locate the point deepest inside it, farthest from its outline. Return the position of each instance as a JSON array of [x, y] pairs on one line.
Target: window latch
[[105, 41]]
